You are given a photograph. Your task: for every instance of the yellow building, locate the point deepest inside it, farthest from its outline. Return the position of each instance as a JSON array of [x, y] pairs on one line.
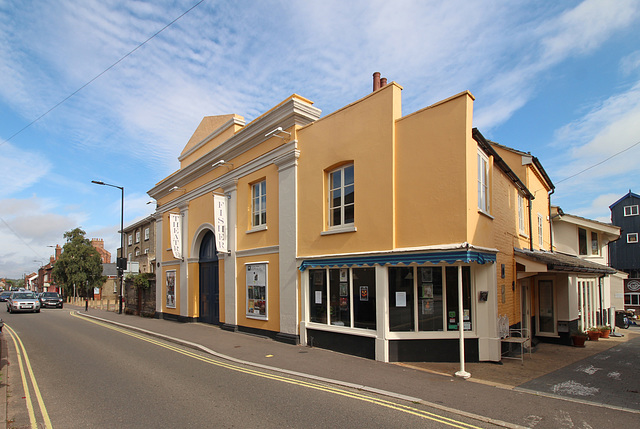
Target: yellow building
[[365, 231]]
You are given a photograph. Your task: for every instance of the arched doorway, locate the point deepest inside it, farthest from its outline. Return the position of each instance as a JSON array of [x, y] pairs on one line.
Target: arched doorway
[[209, 286]]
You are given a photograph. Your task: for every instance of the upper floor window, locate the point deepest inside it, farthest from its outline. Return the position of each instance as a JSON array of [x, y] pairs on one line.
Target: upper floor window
[[146, 251], [137, 251], [521, 224], [540, 231], [631, 210], [137, 236], [130, 240], [483, 182], [632, 237], [259, 204], [341, 196], [582, 241], [146, 234], [595, 243]]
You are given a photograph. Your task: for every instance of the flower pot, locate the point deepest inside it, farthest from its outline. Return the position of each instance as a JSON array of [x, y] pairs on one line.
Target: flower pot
[[578, 340], [604, 333], [593, 335]]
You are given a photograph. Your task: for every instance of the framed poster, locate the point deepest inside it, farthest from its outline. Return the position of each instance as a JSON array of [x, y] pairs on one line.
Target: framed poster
[[171, 289], [256, 281], [364, 293], [427, 290], [344, 274], [344, 289]]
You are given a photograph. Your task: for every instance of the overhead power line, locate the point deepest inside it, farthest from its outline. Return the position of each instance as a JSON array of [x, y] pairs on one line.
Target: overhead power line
[[100, 74]]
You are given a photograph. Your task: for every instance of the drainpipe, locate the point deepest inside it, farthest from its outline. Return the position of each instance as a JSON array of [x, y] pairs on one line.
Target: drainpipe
[[550, 221], [530, 226]]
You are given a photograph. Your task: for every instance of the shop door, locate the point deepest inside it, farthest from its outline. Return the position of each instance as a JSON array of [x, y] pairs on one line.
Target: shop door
[[546, 307], [209, 296]]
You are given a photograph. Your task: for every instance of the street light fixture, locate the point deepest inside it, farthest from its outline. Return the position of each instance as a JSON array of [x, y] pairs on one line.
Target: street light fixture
[[122, 258]]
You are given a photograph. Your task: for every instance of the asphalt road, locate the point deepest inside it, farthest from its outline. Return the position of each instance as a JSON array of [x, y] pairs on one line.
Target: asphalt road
[[95, 375]]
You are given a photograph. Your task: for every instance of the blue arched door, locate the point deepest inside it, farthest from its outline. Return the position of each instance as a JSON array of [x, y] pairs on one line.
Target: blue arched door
[[209, 286]]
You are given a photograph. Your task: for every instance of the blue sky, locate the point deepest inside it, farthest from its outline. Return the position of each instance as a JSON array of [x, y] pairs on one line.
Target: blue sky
[[558, 79]]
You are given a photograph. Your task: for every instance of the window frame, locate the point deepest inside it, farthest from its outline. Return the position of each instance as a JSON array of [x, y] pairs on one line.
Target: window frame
[[343, 206], [130, 239], [632, 237], [138, 236], [146, 234], [484, 189], [583, 245], [251, 282], [633, 210], [259, 204], [522, 226], [540, 231], [595, 235]]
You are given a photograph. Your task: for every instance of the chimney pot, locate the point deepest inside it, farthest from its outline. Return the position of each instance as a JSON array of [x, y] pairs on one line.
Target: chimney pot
[[383, 82], [376, 81]]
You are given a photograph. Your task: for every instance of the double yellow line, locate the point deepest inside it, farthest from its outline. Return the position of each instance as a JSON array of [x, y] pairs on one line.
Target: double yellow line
[[23, 361], [311, 385]]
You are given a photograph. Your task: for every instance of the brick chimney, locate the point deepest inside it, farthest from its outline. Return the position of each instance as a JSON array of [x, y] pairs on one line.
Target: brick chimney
[[58, 251], [376, 81]]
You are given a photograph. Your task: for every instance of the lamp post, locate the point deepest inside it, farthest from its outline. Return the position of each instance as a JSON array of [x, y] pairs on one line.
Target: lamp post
[[120, 267]]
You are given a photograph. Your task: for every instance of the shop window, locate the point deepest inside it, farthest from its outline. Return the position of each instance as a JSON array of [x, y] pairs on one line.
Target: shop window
[[256, 290], [631, 299], [351, 293], [364, 298], [430, 299], [341, 196], [259, 204], [318, 296], [582, 241], [401, 312], [437, 298], [483, 182]]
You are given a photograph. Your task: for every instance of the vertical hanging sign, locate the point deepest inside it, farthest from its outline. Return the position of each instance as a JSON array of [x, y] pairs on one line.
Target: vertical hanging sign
[[175, 221], [220, 217]]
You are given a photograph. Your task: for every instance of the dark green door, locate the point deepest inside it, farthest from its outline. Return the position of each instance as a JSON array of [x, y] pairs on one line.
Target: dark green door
[[209, 286]]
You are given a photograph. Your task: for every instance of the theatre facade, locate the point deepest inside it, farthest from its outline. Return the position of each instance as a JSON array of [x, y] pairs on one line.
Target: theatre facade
[[364, 231]]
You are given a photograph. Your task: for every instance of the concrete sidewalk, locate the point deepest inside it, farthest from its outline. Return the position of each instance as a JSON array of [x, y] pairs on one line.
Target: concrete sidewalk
[[488, 396]]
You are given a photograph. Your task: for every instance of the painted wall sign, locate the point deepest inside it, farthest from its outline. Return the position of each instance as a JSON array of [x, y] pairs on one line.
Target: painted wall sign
[[175, 222], [220, 217]]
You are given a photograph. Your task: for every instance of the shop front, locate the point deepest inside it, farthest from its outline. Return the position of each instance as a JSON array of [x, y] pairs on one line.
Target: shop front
[[401, 307]]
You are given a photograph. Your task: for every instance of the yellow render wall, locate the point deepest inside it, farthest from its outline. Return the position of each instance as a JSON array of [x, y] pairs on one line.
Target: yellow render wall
[[362, 133], [432, 171], [540, 205], [273, 293], [270, 236]]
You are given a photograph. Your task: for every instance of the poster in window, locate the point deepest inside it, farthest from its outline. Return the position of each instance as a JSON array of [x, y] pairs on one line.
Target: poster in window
[[256, 289], [344, 289], [427, 307], [318, 297], [171, 289], [427, 290], [427, 275], [344, 274], [318, 277], [364, 293], [401, 299]]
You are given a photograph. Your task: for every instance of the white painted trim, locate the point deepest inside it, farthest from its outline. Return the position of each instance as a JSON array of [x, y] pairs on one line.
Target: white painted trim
[[269, 250]]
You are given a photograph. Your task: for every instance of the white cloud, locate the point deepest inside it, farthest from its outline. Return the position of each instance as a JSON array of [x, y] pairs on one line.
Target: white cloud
[[20, 169]]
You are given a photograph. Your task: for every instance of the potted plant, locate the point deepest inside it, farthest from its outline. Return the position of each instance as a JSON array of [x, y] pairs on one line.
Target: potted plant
[[579, 337], [605, 330], [594, 334]]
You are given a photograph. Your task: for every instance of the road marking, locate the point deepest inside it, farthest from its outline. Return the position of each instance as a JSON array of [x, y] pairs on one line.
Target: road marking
[[22, 355], [316, 386]]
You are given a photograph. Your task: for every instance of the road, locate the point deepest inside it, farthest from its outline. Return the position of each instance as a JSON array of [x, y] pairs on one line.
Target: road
[[90, 374]]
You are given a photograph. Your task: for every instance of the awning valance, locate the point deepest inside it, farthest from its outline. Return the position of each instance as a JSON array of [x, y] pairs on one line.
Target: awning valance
[[464, 256]]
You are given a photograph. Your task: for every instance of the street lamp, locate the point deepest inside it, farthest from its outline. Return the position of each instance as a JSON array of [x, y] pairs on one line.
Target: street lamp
[[122, 258]]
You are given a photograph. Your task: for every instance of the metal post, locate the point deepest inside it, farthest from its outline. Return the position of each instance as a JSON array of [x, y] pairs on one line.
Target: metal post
[[462, 373]]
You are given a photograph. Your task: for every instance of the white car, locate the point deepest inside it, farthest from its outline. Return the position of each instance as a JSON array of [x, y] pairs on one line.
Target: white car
[[23, 301]]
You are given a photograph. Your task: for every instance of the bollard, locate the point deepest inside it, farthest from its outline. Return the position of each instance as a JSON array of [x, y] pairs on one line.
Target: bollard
[[86, 304]]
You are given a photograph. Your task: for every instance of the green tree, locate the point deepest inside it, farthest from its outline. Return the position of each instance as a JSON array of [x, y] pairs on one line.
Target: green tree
[[79, 264]]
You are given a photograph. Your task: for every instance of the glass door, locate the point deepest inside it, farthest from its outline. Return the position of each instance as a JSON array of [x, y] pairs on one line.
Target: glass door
[[546, 313]]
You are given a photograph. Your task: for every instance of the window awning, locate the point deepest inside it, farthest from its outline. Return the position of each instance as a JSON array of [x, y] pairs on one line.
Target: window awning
[[561, 262], [464, 256]]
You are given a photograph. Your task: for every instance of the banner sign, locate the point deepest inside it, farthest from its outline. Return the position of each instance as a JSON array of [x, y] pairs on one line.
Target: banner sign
[[175, 221], [220, 216]]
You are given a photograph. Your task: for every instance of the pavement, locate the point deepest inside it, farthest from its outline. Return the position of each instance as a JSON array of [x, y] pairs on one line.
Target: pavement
[[493, 395]]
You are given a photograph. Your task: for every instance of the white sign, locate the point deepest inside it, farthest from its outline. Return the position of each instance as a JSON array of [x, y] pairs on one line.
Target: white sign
[[175, 221], [401, 299], [220, 217]]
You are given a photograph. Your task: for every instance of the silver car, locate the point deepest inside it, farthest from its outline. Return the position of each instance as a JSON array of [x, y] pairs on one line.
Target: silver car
[[23, 301]]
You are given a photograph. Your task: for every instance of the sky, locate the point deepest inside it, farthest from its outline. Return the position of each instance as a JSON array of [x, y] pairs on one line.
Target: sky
[[105, 90]]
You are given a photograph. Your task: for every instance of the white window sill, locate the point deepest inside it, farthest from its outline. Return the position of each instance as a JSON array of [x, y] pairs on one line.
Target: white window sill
[[257, 229], [253, 316], [482, 212], [339, 230]]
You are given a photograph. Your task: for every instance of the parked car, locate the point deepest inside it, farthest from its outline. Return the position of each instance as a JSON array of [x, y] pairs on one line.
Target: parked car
[[23, 301], [4, 296], [51, 299]]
